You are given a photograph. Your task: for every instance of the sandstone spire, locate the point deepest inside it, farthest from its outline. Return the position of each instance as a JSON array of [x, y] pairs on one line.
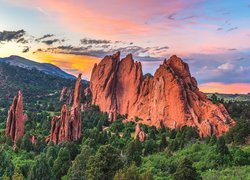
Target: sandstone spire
[[170, 98], [16, 119], [67, 126]]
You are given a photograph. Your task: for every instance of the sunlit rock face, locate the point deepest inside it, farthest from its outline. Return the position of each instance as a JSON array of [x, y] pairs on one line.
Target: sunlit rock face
[[67, 126], [170, 98], [16, 119]]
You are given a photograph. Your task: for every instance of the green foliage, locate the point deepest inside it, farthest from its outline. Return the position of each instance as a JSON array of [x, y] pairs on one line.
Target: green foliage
[[79, 165], [231, 173], [133, 152], [6, 166], [62, 163], [40, 169], [186, 171], [17, 175], [221, 146], [104, 164], [127, 173], [239, 133]]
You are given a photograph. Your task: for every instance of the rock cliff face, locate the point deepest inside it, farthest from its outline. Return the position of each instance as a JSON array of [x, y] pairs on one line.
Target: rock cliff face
[[67, 126], [170, 98], [16, 119]]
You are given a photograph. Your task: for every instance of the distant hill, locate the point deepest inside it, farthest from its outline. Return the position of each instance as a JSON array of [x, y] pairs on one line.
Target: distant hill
[[43, 67], [34, 83], [232, 97]]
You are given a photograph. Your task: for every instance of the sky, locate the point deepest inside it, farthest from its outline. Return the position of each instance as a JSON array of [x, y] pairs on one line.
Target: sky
[[212, 36]]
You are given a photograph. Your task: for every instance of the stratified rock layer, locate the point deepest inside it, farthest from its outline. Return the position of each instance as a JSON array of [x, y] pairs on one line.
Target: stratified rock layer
[[170, 98], [16, 119], [67, 126]]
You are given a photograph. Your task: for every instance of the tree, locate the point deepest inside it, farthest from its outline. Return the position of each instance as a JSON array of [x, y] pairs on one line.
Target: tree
[[6, 166], [150, 147], [51, 154], [186, 171], [62, 163], [17, 175], [214, 99], [163, 143], [104, 164], [78, 168], [133, 153], [221, 146], [213, 140], [26, 143], [40, 170], [240, 158], [127, 173]]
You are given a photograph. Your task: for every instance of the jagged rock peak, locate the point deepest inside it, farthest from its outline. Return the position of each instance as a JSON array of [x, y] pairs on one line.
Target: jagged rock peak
[[170, 98]]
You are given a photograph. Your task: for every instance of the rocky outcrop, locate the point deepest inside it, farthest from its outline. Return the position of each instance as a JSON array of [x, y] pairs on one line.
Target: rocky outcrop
[[66, 95], [170, 98], [140, 133], [16, 119], [67, 126]]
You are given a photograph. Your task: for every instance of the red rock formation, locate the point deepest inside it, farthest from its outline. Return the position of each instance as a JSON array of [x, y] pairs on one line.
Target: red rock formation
[[67, 126], [140, 133], [66, 93], [170, 98], [16, 119]]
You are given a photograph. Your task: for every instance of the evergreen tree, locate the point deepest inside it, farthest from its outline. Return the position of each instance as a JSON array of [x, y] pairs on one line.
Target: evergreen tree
[[78, 168], [26, 143], [186, 171], [163, 143], [62, 163], [104, 164], [127, 173], [213, 140], [133, 153], [40, 170], [221, 146]]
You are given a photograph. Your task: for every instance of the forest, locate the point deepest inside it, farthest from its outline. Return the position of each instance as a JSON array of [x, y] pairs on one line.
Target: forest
[[109, 151]]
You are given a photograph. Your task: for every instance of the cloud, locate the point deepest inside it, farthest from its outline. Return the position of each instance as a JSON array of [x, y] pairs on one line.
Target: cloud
[[44, 37], [219, 29], [17, 36], [26, 49], [94, 41], [51, 41], [226, 67], [232, 29]]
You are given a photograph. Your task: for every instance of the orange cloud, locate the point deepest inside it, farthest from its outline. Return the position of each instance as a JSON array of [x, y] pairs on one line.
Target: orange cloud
[[234, 88]]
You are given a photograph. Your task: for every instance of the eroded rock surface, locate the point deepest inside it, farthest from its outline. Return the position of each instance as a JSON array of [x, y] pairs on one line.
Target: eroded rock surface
[[67, 126], [16, 119], [170, 98]]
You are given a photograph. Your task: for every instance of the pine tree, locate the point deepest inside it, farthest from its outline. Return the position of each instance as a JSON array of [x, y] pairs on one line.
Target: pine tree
[[78, 168], [62, 163], [41, 170], [186, 171]]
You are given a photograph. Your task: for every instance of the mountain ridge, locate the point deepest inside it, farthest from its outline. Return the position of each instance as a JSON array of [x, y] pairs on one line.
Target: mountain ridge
[[47, 68]]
